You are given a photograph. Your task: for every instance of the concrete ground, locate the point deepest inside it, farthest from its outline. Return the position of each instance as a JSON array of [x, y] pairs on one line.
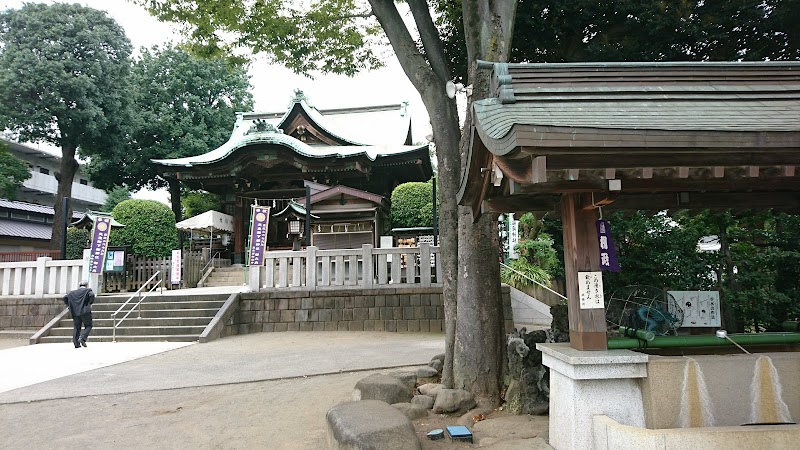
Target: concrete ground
[[265, 390]]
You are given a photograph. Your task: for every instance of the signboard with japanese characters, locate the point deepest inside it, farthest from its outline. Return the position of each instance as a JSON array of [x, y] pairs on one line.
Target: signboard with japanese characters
[[258, 234], [513, 237], [608, 254], [97, 255], [175, 268], [700, 308], [590, 290]]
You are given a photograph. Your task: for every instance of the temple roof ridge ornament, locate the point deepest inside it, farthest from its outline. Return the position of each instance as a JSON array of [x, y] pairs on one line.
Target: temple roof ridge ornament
[[262, 126]]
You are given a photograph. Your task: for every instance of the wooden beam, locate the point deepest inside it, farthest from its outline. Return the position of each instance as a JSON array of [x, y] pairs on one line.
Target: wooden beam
[[539, 170], [587, 327], [520, 204]]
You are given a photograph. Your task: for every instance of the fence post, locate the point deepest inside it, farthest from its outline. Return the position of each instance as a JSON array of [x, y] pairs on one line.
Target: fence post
[[254, 278], [41, 275], [366, 265], [311, 267], [425, 264]]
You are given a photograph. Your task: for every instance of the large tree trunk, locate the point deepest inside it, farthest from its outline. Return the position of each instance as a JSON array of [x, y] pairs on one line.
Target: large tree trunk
[[478, 365], [65, 175], [488, 27], [429, 77]]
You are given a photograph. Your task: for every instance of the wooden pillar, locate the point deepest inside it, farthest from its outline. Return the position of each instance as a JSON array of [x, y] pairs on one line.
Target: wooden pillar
[[587, 327], [239, 230]]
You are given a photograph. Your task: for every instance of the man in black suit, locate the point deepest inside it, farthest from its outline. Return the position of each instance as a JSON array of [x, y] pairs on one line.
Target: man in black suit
[[80, 306]]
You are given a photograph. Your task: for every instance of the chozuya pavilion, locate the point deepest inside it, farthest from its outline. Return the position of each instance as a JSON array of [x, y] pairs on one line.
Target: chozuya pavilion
[[350, 159], [573, 138]]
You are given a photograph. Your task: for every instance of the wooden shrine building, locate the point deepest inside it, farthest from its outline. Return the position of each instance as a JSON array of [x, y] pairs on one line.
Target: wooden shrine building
[[271, 158], [641, 136]]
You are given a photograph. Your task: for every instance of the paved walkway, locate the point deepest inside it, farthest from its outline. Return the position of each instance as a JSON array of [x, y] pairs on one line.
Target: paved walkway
[[48, 371]]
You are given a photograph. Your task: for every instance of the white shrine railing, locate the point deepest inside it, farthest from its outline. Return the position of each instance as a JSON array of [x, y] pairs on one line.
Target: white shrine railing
[[367, 267], [44, 276]]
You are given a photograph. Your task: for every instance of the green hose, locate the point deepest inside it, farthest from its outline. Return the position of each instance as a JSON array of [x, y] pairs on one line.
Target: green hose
[[705, 341], [643, 335]]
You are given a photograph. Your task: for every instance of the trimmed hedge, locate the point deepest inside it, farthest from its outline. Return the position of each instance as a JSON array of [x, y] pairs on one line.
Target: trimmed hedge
[[149, 228]]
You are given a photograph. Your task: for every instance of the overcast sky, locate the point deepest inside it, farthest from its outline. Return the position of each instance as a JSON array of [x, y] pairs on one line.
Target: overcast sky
[[273, 86]]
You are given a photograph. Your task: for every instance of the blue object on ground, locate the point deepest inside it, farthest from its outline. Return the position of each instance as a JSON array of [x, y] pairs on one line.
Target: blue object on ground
[[459, 433], [436, 434]]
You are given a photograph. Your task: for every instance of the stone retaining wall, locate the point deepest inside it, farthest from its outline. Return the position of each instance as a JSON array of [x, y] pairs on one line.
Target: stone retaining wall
[[406, 309], [19, 313]]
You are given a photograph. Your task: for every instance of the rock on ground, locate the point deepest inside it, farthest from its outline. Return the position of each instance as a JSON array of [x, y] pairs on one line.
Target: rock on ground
[[411, 410], [382, 387], [425, 401], [370, 424], [407, 378], [427, 374], [430, 389], [436, 365], [453, 401]]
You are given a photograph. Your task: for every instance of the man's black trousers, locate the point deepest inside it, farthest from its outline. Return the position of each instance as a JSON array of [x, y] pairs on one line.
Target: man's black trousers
[[86, 322]]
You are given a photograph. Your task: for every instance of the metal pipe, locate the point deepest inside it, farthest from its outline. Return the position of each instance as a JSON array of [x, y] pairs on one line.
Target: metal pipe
[[705, 341], [644, 335]]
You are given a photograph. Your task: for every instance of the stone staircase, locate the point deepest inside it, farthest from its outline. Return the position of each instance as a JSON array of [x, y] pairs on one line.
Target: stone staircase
[[224, 276], [177, 318]]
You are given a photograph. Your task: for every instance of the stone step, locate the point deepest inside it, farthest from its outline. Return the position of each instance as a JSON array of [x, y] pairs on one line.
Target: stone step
[[157, 298], [135, 331], [133, 321], [123, 338], [160, 305]]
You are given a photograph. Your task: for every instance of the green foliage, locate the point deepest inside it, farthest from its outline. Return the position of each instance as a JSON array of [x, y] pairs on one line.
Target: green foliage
[[13, 172], [117, 195], [77, 240], [537, 261], [520, 272], [329, 36], [633, 30], [197, 202], [149, 228], [63, 76], [183, 106], [412, 205]]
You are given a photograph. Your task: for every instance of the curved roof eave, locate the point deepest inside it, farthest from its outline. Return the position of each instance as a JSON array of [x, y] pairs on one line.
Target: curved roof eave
[[318, 119], [221, 153]]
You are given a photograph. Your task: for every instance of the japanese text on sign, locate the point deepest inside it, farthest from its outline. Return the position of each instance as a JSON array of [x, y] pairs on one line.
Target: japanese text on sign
[[258, 234], [97, 251], [608, 255], [590, 290]]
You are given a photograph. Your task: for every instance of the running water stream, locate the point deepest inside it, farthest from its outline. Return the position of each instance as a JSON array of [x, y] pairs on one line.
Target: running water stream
[[695, 401], [767, 402]]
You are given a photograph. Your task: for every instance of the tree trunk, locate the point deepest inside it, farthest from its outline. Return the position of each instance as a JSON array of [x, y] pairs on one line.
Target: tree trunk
[[429, 77], [478, 362], [478, 365], [66, 173]]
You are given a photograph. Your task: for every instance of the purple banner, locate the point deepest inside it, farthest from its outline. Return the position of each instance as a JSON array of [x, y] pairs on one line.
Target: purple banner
[[97, 252], [258, 234], [608, 255]]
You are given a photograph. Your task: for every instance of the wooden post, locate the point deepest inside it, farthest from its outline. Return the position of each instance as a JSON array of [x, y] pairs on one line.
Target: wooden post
[[587, 327]]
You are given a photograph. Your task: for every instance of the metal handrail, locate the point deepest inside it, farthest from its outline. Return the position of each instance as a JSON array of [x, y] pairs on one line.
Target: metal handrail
[[210, 261], [141, 299], [532, 280]]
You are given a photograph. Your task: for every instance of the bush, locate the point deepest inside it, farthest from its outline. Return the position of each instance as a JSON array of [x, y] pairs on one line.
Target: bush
[[537, 261], [149, 228], [412, 205], [77, 240]]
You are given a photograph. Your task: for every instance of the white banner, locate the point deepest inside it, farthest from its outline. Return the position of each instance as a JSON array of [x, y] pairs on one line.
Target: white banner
[[175, 269]]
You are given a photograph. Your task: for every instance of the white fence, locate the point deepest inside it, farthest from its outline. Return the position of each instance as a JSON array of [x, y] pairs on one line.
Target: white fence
[[366, 267], [44, 276]]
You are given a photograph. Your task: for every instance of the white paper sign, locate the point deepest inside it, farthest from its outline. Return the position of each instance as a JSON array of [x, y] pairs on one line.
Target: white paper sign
[[590, 289], [175, 270], [700, 308]]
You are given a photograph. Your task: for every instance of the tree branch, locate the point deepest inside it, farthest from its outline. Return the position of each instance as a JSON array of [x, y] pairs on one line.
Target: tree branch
[[431, 41], [414, 64]]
